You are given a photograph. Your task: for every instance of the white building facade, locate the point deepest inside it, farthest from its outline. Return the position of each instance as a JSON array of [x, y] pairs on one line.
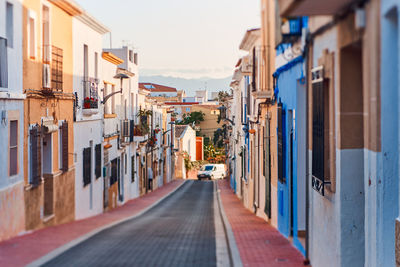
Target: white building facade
[[88, 116]]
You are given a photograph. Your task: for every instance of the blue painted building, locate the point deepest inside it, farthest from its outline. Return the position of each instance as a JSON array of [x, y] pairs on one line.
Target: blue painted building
[[291, 91], [382, 170]]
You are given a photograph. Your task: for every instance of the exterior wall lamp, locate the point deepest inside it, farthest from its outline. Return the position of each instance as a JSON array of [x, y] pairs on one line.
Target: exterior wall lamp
[[120, 76], [222, 111]]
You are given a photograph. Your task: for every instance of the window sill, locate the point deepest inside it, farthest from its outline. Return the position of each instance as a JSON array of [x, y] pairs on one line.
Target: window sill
[[90, 111], [110, 116], [47, 218], [30, 187]]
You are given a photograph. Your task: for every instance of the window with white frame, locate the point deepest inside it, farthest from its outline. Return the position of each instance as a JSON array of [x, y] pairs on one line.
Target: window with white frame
[[32, 37]]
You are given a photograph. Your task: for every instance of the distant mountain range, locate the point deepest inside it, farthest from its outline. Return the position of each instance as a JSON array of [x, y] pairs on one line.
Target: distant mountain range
[[190, 85]]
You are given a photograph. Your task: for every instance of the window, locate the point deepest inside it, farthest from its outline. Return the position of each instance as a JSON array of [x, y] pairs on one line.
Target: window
[[96, 65], [3, 63], [107, 107], [46, 35], [13, 161], [267, 168], [126, 163], [32, 38], [133, 169], [113, 100], [318, 132], [57, 69], [87, 163], [114, 171], [131, 56], [35, 156], [98, 161], [10, 24], [187, 109], [86, 71], [64, 147]]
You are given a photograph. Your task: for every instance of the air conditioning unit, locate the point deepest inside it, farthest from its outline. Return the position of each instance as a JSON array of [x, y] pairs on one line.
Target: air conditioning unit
[[247, 65], [46, 76]]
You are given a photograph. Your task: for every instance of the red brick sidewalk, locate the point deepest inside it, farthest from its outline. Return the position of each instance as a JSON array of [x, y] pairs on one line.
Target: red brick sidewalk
[[22, 250], [259, 243]]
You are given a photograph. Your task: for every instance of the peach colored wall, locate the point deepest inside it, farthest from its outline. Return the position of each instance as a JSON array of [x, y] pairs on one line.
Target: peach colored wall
[[14, 222]]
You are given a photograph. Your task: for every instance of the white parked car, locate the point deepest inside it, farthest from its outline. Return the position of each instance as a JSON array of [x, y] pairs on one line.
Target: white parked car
[[212, 171]]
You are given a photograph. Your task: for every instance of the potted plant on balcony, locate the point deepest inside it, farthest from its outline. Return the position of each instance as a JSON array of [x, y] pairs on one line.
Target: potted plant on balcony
[[93, 102], [86, 103], [152, 141], [90, 103]]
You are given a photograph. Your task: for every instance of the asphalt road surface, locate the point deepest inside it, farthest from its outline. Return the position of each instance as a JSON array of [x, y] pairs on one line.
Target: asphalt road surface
[[179, 231]]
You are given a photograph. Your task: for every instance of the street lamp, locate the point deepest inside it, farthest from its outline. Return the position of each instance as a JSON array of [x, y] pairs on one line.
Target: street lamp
[[222, 111], [120, 76]]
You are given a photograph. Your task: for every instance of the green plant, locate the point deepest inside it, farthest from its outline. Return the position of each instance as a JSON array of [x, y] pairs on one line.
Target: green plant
[[144, 113], [188, 163], [194, 117]]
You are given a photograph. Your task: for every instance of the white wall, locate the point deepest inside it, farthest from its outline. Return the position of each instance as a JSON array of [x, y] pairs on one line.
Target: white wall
[[88, 199], [189, 142]]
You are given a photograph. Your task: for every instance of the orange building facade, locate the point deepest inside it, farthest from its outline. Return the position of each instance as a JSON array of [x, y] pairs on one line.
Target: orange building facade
[[48, 112]]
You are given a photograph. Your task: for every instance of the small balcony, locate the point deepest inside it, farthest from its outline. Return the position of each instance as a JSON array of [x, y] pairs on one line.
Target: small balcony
[[91, 98], [295, 8], [141, 130]]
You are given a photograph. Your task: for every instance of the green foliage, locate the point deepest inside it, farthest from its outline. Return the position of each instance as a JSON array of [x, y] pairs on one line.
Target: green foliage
[[144, 113], [188, 163], [206, 141], [219, 136], [223, 97], [214, 155], [194, 117]]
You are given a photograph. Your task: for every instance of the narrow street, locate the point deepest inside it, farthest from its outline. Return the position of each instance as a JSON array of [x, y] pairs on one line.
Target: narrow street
[[179, 231]]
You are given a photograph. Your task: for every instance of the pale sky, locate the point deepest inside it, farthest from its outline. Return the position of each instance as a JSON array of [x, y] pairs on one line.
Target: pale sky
[[180, 38]]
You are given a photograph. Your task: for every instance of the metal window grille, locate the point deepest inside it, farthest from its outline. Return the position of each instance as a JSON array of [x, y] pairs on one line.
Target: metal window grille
[[87, 162], [36, 156], [318, 137], [57, 69], [64, 133], [98, 160], [131, 130]]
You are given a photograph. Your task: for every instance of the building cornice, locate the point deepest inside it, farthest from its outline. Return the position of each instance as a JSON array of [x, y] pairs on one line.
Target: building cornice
[[69, 6], [92, 23], [250, 39], [110, 57]]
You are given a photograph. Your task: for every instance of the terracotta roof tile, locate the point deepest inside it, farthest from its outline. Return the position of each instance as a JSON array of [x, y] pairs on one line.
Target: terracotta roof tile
[[179, 129], [153, 87]]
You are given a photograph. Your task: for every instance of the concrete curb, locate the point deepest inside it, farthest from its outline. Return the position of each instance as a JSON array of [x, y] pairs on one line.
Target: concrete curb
[[58, 251], [230, 238]]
